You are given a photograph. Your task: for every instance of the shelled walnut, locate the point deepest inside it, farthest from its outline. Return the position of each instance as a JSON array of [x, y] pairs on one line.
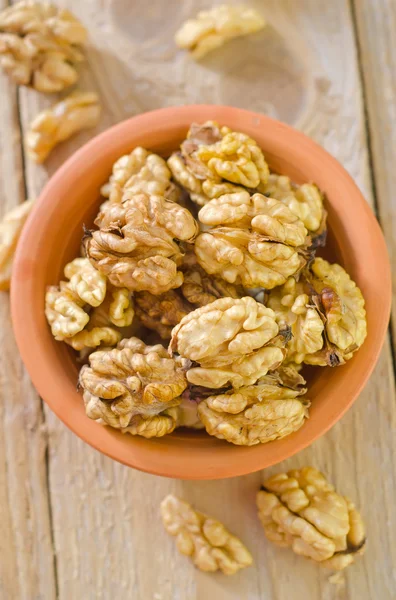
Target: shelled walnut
[[78, 111], [139, 171], [208, 543], [230, 341], [161, 313], [214, 27], [134, 388], [10, 229], [274, 407], [39, 45], [301, 510], [136, 245]]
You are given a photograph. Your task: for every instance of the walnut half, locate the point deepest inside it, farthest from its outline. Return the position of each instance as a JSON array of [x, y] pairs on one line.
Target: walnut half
[[208, 543], [10, 230], [301, 510], [79, 110]]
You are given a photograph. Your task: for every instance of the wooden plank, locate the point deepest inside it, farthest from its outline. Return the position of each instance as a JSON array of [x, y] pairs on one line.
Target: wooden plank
[[376, 23], [108, 536], [26, 565]]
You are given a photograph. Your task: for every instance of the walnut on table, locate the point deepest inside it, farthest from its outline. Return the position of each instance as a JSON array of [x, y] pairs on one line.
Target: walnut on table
[[214, 27], [137, 243], [134, 387], [230, 341], [215, 160], [10, 231], [274, 407], [208, 543], [140, 171], [78, 111], [341, 305], [300, 509], [39, 45]]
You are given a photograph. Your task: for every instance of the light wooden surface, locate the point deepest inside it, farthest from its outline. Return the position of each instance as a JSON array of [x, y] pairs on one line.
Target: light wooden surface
[[73, 524]]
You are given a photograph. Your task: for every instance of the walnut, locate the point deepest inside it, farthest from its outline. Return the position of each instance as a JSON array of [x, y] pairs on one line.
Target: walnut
[[215, 161], [64, 312], [132, 386], [293, 308], [264, 215], [139, 171], [39, 45], [341, 306], [246, 257], [85, 281], [161, 313], [136, 246], [200, 289], [305, 201], [79, 110], [301, 510], [233, 341], [214, 27], [10, 230], [102, 330], [208, 543], [268, 410]]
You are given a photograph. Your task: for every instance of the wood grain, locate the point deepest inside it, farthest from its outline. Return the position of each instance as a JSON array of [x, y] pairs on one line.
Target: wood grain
[[376, 23], [109, 542]]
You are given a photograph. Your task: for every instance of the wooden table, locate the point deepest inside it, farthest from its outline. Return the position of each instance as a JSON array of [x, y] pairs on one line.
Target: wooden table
[[74, 524]]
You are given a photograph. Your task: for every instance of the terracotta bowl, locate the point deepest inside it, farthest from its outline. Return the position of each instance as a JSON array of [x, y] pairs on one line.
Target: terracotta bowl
[[52, 236]]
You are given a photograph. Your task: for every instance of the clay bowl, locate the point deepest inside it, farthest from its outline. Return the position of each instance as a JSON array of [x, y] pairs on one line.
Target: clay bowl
[[52, 236]]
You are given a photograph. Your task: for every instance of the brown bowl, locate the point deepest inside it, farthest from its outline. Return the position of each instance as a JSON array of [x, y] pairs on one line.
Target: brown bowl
[[52, 236]]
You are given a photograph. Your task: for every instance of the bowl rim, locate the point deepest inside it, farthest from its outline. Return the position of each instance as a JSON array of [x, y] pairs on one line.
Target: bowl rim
[[160, 119]]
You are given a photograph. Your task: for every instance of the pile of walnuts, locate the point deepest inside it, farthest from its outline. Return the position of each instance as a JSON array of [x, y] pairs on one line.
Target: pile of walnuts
[[199, 296]]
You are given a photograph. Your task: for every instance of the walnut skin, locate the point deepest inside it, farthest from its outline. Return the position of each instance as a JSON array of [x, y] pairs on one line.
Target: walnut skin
[[10, 231], [137, 244], [139, 171], [39, 45], [79, 110], [301, 510], [214, 27], [127, 386], [341, 306], [208, 543], [161, 313], [233, 341], [268, 410], [245, 257], [294, 308]]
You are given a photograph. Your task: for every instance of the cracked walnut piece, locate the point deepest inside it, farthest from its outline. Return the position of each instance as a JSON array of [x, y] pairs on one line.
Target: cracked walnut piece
[[134, 388], [341, 306], [264, 215], [233, 341], [305, 201], [268, 410], [78, 111], [215, 161], [208, 543], [301, 510], [39, 45], [10, 231], [137, 244], [214, 27], [139, 171], [294, 308], [249, 258]]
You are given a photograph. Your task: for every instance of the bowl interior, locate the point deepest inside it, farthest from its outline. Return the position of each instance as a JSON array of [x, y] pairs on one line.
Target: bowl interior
[[52, 238]]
